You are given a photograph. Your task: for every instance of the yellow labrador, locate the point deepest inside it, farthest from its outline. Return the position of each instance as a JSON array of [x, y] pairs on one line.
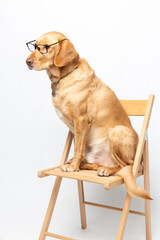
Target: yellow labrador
[[103, 135]]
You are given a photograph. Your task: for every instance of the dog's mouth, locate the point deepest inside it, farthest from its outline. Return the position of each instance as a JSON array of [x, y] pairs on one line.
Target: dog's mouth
[[30, 67]]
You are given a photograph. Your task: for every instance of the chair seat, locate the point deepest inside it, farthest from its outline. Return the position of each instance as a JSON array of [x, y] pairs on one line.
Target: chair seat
[[86, 175]]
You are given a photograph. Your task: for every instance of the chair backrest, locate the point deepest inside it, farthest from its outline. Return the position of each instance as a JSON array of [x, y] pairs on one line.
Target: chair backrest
[[139, 108], [134, 107]]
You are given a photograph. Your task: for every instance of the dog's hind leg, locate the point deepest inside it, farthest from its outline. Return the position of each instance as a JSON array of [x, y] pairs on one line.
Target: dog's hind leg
[[123, 143], [107, 171], [101, 170], [122, 146], [88, 166]]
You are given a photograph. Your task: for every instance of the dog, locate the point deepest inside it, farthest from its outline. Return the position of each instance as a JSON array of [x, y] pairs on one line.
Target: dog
[[104, 139]]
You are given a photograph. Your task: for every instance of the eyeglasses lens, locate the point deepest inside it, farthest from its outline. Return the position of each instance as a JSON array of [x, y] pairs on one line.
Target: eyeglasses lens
[[41, 48], [31, 47]]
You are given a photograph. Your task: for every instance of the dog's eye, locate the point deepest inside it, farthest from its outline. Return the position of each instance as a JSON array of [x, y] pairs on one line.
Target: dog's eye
[[47, 47], [36, 47], [42, 49]]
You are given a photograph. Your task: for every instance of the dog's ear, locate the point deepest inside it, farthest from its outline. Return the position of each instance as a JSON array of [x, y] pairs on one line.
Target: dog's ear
[[66, 54]]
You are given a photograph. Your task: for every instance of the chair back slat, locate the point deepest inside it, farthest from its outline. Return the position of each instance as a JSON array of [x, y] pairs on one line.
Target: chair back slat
[[134, 107], [142, 139], [139, 108]]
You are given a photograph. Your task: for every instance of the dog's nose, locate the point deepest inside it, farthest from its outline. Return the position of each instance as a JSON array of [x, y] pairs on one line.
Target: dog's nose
[[29, 61]]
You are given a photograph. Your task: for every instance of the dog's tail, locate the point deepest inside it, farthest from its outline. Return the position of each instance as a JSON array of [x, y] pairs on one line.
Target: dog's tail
[[132, 188]]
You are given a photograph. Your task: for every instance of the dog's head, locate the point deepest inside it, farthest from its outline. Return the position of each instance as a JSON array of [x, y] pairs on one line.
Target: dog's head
[[50, 49]]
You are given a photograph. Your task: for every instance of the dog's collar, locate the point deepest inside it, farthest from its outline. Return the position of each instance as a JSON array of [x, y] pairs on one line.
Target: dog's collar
[[56, 83], [54, 87]]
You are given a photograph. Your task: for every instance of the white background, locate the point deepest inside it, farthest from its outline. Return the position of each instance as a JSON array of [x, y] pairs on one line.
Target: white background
[[121, 41]]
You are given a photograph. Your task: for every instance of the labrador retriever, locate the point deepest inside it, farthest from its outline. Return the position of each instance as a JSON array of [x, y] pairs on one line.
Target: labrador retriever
[[104, 139]]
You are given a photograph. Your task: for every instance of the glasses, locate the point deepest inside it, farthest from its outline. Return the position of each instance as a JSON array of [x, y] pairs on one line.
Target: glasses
[[42, 48]]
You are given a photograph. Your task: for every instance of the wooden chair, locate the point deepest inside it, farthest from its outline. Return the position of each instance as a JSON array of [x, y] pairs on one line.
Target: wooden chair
[[132, 108]]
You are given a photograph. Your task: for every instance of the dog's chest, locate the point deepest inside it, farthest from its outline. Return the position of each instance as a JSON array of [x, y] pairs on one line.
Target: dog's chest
[[68, 102], [59, 113], [62, 113]]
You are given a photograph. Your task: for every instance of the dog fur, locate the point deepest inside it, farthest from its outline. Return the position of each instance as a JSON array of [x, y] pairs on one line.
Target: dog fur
[[104, 139]]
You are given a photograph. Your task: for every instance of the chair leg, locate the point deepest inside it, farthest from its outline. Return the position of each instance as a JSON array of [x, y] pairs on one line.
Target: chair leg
[[56, 187], [82, 204], [50, 208], [124, 217], [147, 188]]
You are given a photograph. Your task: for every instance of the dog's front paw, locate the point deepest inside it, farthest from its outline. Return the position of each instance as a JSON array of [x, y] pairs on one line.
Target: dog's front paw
[[70, 167], [103, 172]]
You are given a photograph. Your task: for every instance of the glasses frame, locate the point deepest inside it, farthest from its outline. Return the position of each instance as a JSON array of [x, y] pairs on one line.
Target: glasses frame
[[44, 45]]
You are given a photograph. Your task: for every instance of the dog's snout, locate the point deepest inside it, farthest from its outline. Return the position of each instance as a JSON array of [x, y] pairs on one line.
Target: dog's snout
[[29, 61]]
